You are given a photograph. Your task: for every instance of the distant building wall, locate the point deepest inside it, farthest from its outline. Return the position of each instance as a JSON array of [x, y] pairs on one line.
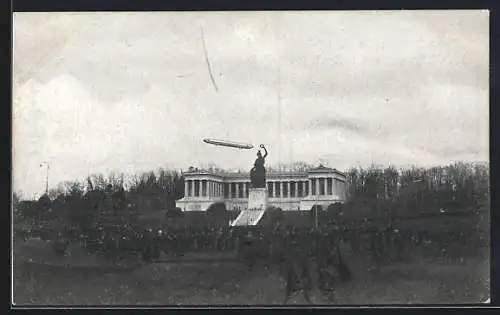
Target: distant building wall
[[286, 190]]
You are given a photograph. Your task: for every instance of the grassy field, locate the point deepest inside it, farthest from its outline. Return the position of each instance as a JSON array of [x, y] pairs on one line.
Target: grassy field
[[88, 280]]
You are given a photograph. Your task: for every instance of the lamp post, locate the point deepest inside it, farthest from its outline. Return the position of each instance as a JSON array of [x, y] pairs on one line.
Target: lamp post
[[315, 205], [316, 213], [46, 176]]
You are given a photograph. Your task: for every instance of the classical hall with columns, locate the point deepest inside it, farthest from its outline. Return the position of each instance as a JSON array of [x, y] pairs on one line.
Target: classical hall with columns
[[286, 190]]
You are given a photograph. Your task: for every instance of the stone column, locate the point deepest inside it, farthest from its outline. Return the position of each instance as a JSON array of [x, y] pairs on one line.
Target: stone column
[[245, 190], [289, 192], [230, 188], [281, 189], [237, 190]]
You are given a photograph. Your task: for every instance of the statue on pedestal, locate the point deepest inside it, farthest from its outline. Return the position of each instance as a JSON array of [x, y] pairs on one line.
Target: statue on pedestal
[[258, 172]]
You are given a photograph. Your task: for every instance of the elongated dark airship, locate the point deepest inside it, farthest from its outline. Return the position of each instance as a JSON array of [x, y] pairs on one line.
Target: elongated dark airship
[[231, 144]]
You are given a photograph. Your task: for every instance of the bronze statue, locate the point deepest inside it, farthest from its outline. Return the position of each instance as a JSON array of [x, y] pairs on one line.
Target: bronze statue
[[258, 172]]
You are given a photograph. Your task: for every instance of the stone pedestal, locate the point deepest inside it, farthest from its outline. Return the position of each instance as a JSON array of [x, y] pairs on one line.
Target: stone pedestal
[[257, 199]]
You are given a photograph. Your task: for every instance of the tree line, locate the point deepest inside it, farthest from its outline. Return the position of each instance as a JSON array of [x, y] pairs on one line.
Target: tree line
[[103, 198], [373, 191], [454, 187]]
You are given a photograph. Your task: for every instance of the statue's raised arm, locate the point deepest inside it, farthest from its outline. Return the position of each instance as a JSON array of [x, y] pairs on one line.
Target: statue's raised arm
[[265, 150], [258, 172]]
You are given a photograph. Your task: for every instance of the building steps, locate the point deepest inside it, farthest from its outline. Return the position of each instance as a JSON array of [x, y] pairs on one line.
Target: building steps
[[249, 217]]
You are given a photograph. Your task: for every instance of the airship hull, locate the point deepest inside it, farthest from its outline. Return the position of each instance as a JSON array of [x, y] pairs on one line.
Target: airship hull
[[228, 144]]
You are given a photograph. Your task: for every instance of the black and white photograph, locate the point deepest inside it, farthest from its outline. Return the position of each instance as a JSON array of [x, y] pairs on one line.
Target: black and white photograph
[[250, 158]]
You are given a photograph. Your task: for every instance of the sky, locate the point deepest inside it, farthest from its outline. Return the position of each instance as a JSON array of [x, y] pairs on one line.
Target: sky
[[129, 92]]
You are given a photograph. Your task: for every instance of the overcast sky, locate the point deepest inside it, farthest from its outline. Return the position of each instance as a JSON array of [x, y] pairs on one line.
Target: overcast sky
[[95, 92]]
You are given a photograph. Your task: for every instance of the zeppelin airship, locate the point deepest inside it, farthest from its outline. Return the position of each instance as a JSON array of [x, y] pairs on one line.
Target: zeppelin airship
[[231, 144]]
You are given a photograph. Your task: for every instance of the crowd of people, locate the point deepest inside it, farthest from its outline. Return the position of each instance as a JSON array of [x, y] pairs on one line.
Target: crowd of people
[[383, 245], [290, 247]]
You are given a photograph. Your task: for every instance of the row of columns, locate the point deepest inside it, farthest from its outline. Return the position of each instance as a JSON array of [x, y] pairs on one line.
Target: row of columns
[[326, 186], [300, 189], [313, 186], [203, 188], [240, 189]]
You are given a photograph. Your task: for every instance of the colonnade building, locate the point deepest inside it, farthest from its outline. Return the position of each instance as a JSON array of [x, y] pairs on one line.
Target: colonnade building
[[286, 190]]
